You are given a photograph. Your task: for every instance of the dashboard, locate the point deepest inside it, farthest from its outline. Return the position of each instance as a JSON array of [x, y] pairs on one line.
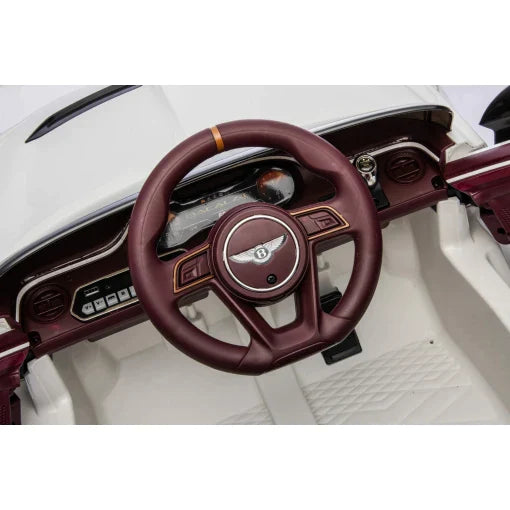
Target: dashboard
[[190, 217], [272, 181], [79, 287]]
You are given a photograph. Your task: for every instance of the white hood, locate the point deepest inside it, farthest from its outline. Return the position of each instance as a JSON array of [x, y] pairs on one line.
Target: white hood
[[106, 153]]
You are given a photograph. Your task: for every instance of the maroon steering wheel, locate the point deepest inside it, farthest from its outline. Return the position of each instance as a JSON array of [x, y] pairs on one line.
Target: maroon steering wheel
[[256, 254]]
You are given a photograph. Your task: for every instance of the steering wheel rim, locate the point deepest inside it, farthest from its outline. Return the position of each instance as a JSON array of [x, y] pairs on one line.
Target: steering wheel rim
[[159, 284]]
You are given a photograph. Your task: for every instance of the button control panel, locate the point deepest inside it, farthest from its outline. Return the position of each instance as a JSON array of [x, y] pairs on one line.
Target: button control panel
[[320, 221], [102, 296], [193, 269]]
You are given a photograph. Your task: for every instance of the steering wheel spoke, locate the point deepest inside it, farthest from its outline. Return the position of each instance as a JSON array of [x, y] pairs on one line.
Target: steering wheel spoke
[[256, 326]]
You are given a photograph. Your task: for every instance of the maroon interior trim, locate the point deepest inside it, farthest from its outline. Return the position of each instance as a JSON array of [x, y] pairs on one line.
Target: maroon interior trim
[[487, 186], [10, 364], [490, 190], [477, 161]]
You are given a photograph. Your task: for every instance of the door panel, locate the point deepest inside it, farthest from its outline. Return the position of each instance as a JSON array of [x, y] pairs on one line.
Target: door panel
[[485, 177]]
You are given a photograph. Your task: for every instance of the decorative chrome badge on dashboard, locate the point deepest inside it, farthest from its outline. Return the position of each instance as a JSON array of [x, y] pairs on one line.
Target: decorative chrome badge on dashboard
[[260, 253]]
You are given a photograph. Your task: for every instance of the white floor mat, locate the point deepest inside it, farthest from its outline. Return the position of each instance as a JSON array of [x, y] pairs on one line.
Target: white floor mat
[[421, 383], [259, 415], [136, 377]]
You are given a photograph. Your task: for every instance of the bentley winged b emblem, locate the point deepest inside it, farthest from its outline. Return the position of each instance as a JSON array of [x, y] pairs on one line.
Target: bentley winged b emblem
[[260, 253]]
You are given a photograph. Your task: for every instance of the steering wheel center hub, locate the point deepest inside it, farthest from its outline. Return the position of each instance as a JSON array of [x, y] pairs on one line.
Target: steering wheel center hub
[[259, 252]]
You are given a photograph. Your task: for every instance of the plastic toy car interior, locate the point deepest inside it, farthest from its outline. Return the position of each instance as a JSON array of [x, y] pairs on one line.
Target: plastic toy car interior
[[251, 255]]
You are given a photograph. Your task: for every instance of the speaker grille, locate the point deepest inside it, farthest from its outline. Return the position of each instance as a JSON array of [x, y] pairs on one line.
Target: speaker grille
[[405, 168], [48, 303]]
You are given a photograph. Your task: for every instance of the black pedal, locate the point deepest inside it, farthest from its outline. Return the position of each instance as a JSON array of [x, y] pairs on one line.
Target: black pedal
[[350, 345], [380, 198]]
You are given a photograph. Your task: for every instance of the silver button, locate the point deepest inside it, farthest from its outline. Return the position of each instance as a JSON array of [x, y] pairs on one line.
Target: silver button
[[111, 299], [124, 295], [99, 304], [87, 309], [132, 291]]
